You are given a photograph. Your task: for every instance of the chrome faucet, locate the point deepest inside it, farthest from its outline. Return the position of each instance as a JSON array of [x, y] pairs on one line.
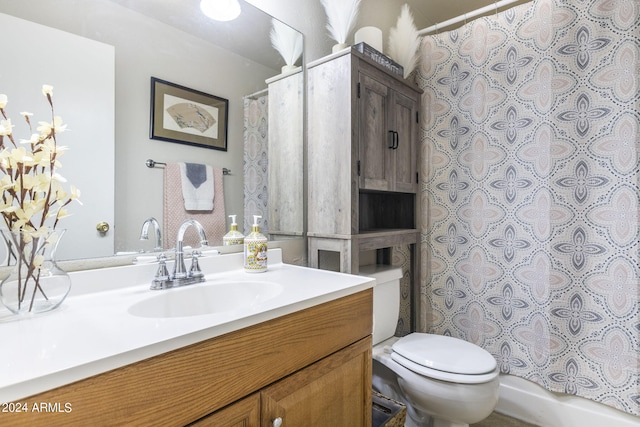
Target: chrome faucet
[[179, 270], [180, 275], [144, 233]]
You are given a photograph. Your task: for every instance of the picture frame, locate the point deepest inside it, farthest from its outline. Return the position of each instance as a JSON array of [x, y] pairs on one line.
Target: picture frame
[[187, 116]]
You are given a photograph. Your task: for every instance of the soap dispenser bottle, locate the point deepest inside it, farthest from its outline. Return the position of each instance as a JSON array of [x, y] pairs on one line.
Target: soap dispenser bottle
[[255, 249], [233, 237]]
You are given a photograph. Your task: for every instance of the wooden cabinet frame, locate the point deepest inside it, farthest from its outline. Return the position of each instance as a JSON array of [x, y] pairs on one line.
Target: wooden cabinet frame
[[185, 385]]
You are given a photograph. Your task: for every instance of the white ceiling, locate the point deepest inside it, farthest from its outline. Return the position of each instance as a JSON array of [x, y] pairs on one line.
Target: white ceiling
[[306, 15]]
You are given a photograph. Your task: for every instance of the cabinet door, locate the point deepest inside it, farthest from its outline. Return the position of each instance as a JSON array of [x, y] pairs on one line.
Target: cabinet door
[[336, 391], [405, 124], [388, 131], [375, 138], [244, 413]]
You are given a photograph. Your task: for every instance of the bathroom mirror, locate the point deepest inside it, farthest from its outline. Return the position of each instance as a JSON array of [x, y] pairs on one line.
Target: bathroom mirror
[[173, 41]]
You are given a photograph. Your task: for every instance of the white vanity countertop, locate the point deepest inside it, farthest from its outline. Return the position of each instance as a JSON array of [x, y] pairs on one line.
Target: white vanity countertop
[[93, 331]]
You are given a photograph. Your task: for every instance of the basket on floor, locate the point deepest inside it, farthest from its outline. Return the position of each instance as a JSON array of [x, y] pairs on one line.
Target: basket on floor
[[387, 412]]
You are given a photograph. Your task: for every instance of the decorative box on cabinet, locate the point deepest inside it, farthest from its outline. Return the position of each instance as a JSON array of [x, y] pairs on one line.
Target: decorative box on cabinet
[[362, 162]]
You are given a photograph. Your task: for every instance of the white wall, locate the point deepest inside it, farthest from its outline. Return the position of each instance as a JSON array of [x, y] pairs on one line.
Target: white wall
[[146, 48]]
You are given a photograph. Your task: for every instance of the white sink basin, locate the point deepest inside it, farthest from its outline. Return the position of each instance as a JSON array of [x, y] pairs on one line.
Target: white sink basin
[[206, 298]]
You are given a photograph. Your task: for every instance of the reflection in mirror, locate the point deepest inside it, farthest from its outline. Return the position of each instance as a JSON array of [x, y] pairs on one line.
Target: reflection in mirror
[[173, 41], [83, 96], [273, 164]]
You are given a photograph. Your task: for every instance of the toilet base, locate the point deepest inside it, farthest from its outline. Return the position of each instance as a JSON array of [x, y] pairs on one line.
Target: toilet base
[[385, 382], [430, 402], [431, 422], [443, 423]]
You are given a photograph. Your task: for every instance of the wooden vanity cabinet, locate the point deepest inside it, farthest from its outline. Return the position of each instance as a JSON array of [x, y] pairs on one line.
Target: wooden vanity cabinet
[[328, 393], [311, 367], [245, 413]]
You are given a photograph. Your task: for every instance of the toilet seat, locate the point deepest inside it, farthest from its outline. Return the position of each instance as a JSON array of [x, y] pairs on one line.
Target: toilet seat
[[445, 358]]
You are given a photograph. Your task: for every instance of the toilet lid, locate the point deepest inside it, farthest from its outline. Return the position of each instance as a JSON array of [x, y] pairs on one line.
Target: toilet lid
[[446, 354]]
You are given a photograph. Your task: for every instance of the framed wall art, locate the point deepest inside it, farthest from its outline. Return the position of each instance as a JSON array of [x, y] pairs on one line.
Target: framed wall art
[[187, 116]]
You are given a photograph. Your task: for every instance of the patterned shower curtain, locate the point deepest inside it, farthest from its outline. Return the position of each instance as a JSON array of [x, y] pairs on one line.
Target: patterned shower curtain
[[531, 193], [256, 137]]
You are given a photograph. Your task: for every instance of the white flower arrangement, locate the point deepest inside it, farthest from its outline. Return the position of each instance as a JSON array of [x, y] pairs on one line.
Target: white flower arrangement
[[341, 18], [33, 198], [404, 41], [288, 42]]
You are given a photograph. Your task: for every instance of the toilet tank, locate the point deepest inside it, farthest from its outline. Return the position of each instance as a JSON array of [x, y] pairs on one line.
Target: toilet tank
[[386, 299]]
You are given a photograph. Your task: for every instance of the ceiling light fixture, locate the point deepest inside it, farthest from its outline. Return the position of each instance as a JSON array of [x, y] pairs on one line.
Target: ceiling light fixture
[[221, 10]]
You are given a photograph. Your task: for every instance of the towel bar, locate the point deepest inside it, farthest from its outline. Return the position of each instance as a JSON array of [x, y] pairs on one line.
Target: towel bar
[[152, 164]]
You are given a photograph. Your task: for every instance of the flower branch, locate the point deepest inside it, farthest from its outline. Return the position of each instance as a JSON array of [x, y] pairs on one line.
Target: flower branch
[[33, 198]]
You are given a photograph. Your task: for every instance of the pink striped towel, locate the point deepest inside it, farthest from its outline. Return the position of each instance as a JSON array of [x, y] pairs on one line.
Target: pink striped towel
[[214, 222]]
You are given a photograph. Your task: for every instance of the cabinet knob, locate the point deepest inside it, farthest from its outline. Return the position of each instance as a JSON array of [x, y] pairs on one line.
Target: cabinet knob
[[277, 422]]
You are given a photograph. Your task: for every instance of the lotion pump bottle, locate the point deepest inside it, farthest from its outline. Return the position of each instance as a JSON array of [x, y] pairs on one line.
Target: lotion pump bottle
[[233, 237], [255, 249]]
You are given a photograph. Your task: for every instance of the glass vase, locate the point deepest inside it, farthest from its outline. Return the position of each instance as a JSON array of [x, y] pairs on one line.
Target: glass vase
[[35, 283]]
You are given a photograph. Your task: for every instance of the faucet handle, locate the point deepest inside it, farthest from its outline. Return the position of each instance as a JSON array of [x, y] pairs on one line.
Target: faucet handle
[[162, 273], [161, 279], [194, 270]]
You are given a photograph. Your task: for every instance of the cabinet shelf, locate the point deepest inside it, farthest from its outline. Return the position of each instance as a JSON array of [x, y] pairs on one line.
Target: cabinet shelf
[[384, 232], [380, 239], [386, 210], [364, 234]]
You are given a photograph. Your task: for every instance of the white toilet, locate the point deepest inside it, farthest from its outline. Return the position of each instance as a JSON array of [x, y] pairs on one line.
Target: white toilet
[[444, 381]]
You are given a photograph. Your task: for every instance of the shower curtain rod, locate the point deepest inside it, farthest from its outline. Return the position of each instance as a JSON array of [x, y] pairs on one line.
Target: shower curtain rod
[[256, 95], [465, 16]]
